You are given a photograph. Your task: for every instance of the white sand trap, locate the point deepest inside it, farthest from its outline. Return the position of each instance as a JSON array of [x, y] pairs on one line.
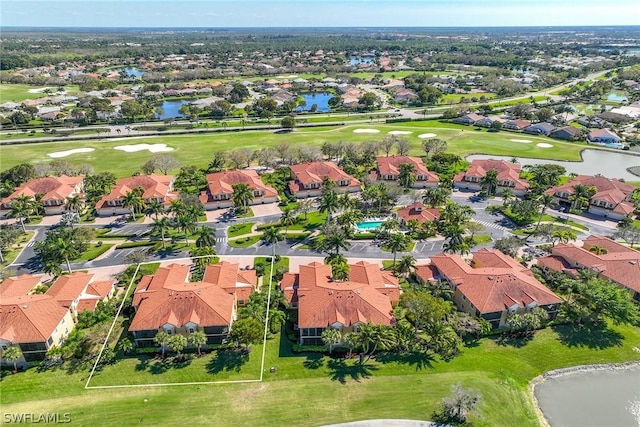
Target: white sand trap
[[524, 141], [427, 135], [39, 89], [59, 154], [544, 145], [291, 76], [400, 132], [366, 131], [154, 148]]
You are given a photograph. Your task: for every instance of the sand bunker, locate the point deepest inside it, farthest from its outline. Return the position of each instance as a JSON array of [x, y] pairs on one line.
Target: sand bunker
[[154, 148], [400, 132], [366, 131], [39, 89], [291, 76], [524, 141], [427, 135], [59, 154], [544, 145]]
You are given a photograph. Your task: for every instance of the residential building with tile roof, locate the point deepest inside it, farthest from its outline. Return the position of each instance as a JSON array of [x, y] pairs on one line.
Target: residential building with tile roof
[[492, 286], [51, 192], [508, 176], [603, 136], [307, 179], [168, 301], [219, 193], [368, 296], [157, 188], [418, 212], [613, 198], [614, 261], [389, 170]]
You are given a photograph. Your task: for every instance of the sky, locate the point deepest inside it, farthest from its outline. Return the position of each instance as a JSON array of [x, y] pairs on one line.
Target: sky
[[317, 13]]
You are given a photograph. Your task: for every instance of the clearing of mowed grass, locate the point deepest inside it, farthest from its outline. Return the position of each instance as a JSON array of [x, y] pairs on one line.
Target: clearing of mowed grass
[[198, 149]]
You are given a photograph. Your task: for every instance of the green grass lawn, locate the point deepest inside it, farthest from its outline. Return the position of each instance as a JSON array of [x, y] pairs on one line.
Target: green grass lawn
[[20, 92], [266, 261], [240, 229], [244, 242], [394, 386], [93, 252], [479, 239], [12, 253], [198, 149]]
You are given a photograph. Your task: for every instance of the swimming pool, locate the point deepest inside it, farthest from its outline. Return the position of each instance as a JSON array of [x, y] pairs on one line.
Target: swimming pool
[[369, 225]]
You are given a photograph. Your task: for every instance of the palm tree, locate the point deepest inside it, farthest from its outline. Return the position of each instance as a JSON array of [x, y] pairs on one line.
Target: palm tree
[[125, 345], [332, 240], [507, 196], [66, 250], [456, 242], [545, 200], [374, 337], [406, 265], [489, 182], [74, 204], [287, 219], [565, 235], [434, 197], [396, 242], [598, 250], [328, 203], [206, 237], [186, 224], [161, 339], [242, 196], [351, 341], [331, 336], [197, 339], [154, 208], [12, 354], [405, 174], [271, 236], [581, 196], [305, 206], [177, 343], [161, 225], [21, 207], [134, 201]]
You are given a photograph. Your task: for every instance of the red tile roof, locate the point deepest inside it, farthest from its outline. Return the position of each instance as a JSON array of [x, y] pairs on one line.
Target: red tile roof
[[222, 183], [419, 212], [496, 283], [53, 188], [620, 264], [390, 165], [507, 171], [18, 286], [29, 318], [318, 172], [366, 297], [610, 190], [155, 186]]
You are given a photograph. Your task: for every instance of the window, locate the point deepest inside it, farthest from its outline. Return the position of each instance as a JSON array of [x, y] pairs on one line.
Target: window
[[4, 347], [191, 330]]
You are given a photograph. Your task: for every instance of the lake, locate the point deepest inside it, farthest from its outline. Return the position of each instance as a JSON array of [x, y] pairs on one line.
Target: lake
[[595, 398], [131, 71], [320, 99], [609, 164], [357, 60], [616, 97], [170, 109]]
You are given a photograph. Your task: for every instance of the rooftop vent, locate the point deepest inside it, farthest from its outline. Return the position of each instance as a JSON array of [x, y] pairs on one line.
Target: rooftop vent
[[490, 277], [633, 262]]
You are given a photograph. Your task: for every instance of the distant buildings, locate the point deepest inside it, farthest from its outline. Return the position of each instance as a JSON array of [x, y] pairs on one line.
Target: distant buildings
[[389, 170], [307, 179], [155, 188], [220, 192], [508, 176], [51, 192]]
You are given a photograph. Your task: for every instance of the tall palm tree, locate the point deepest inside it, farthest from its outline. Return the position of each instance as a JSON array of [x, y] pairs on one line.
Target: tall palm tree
[[489, 182], [305, 206], [405, 174], [206, 237], [161, 225], [330, 337], [242, 196], [134, 201], [154, 208], [287, 219], [21, 207], [396, 242], [197, 339], [66, 249], [12, 354], [406, 265], [545, 200], [333, 239], [581, 196], [185, 224], [456, 242], [328, 203], [507, 196], [434, 197], [74, 204], [271, 236], [373, 338], [161, 339]]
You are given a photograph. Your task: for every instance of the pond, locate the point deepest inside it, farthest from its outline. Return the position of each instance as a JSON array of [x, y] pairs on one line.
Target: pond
[[320, 99], [609, 164], [357, 60], [597, 398], [170, 109], [616, 97], [131, 71]]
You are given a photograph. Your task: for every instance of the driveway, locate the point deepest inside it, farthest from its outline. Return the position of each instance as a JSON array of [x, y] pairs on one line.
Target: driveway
[[265, 210], [214, 216]]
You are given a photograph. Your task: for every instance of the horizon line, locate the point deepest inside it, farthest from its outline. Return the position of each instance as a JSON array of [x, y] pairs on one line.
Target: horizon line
[[321, 27]]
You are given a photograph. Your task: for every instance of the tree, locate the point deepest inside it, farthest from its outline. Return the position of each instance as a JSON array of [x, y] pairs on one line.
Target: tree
[[565, 235], [529, 321], [406, 265], [581, 196], [271, 236], [161, 226], [288, 218], [330, 337], [125, 345], [328, 203], [460, 403], [197, 339], [288, 122], [369, 100], [629, 233], [67, 219], [508, 245], [185, 223], [489, 182], [396, 242], [435, 196], [206, 237], [74, 204], [161, 340], [134, 201], [456, 242], [332, 239], [242, 197], [351, 341], [434, 146], [177, 343], [218, 162], [12, 354], [405, 174], [21, 207], [9, 235], [373, 338], [403, 146], [246, 331], [545, 200]]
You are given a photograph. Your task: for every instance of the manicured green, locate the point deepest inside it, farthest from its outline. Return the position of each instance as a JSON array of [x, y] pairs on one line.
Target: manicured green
[[20, 92], [244, 242], [240, 229], [479, 239], [197, 149], [93, 252], [283, 263]]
